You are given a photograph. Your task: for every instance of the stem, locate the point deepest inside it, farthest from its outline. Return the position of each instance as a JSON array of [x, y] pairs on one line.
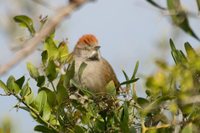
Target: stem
[[158, 127], [105, 121], [144, 129], [36, 113], [54, 89]]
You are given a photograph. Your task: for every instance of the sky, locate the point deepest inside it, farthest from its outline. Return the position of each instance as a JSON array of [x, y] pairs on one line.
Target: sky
[[127, 31]]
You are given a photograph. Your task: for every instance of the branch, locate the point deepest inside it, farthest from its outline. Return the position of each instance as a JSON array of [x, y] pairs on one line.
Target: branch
[[32, 44], [36, 113]]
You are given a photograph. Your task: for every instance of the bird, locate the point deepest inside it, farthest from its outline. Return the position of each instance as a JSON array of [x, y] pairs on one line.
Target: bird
[[98, 72]]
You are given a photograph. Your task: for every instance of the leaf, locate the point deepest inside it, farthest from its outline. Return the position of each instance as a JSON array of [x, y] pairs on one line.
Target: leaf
[[26, 90], [177, 55], [155, 4], [135, 70], [44, 57], [142, 101], [20, 81], [33, 71], [46, 112], [4, 87], [133, 129], [51, 71], [179, 17], [29, 98], [126, 76], [155, 104], [79, 129], [188, 128], [40, 100], [198, 4], [61, 91], [81, 69], [40, 81], [51, 96], [190, 51], [50, 47], [63, 51], [69, 74], [110, 88], [129, 81], [124, 119], [12, 86], [26, 22], [43, 129]]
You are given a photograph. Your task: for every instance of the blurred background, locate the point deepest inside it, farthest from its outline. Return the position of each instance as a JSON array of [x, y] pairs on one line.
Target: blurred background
[[128, 31]]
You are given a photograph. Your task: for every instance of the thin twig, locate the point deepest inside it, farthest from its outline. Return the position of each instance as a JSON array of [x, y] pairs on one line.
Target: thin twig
[[160, 126], [36, 113], [54, 89], [32, 44]]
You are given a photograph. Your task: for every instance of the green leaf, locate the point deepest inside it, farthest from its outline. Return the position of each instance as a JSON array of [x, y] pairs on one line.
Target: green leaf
[[69, 74], [63, 51], [124, 119], [177, 55], [133, 130], [51, 96], [188, 128], [135, 70], [125, 75], [53, 120], [26, 90], [129, 81], [33, 71], [51, 71], [61, 91], [172, 45], [29, 98], [142, 101], [50, 47], [40, 100], [110, 88], [179, 17], [40, 81], [4, 87], [46, 112], [81, 69], [156, 4], [43, 129], [12, 86], [190, 51], [44, 57], [155, 104], [79, 129], [198, 4], [20, 81], [26, 22]]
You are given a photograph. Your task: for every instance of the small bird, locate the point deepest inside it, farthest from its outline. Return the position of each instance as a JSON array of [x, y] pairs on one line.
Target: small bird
[[98, 72]]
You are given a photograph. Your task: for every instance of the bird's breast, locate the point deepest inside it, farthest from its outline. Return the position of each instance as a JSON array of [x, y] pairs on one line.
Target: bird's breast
[[92, 76]]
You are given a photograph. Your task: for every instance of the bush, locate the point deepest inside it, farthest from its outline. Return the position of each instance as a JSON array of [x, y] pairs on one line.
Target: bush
[[63, 105]]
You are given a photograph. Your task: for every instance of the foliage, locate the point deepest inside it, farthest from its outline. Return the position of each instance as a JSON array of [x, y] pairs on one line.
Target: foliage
[[6, 126], [63, 105], [178, 15]]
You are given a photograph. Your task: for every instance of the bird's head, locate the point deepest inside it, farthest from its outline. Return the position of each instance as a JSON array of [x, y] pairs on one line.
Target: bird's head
[[87, 47]]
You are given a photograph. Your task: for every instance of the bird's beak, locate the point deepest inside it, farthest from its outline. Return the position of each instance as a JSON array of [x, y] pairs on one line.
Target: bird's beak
[[97, 47]]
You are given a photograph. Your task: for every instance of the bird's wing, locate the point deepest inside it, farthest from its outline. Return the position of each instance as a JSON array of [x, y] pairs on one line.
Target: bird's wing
[[109, 71]]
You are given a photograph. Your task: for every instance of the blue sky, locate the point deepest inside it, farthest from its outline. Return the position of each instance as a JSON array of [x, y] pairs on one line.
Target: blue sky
[[127, 31]]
